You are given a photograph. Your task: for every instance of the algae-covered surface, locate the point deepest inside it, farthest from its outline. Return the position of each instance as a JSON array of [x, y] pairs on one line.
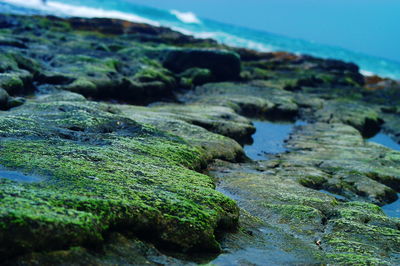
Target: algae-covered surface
[[124, 143], [102, 171]]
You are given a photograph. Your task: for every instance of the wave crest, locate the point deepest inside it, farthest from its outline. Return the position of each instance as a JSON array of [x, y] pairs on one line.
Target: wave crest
[[186, 17], [57, 8]]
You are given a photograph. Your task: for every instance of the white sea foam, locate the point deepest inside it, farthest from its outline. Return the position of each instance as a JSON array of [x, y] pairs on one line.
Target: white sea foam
[[58, 8], [367, 73], [236, 41], [228, 39], [189, 20], [186, 17]]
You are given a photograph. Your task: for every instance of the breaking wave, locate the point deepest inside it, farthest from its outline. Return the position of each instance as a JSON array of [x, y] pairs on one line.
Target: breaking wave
[[189, 23], [62, 9], [186, 17]]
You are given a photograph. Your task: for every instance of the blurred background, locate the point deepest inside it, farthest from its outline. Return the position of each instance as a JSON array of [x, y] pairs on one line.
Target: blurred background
[[366, 32], [370, 26]]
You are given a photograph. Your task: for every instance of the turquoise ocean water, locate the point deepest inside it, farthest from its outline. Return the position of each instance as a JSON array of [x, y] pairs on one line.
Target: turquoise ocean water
[[189, 23]]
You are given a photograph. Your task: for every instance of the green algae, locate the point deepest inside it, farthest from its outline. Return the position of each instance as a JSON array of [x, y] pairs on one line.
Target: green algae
[[102, 171], [184, 123], [296, 213], [132, 176], [149, 74], [312, 181]]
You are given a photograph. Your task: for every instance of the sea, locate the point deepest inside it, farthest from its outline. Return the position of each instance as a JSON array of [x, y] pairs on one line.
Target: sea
[[189, 23]]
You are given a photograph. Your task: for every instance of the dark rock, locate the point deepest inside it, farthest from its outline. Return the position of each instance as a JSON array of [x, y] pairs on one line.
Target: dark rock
[[138, 31], [114, 26], [7, 21], [15, 102], [12, 42], [115, 172], [197, 76], [4, 97], [16, 82], [252, 55], [224, 65], [332, 64]]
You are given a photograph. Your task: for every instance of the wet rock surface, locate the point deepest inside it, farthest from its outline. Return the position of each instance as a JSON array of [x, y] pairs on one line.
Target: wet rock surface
[[169, 182], [350, 165]]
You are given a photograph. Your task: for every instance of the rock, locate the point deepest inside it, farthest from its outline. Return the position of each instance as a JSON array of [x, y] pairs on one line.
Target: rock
[[138, 31], [16, 82], [15, 102], [82, 86], [332, 64], [351, 167], [11, 42], [217, 119], [224, 65], [391, 125], [27, 63], [249, 99], [197, 76], [192, 122], [116, 183], [365, 119], [316, 226], [252, 55], [4, 97], [114, 26], [7, 102], [144, 181], [8, 21], [118, 249]]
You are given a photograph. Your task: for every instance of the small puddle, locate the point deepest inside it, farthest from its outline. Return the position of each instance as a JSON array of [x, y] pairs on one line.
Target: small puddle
[[269, 139], [267, 249], [392, 209], [385, 140], [228, 194], [339, 197], [18, 176]]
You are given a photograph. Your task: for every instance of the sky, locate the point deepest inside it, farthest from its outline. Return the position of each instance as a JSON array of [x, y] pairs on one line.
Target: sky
[[368, 26]]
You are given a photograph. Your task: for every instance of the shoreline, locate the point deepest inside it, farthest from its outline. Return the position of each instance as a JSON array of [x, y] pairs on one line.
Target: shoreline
[[230, 38], [140, 183]]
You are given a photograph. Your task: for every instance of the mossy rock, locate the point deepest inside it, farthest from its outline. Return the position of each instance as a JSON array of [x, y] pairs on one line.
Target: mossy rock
[[100, 171], [4, 98], [224, 65], [252, 99], [184, 122], [16, 82], [197, 76]]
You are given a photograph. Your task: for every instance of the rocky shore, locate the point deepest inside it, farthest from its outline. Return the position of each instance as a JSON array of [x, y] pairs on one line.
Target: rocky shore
[[122, 143]]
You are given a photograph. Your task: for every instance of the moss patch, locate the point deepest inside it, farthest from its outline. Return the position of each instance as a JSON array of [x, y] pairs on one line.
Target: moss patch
[[102, 171]]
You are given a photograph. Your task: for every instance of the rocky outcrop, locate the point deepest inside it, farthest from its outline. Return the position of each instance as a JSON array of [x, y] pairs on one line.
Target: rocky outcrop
[[136, 31], [223, 65], [86, 182], [102, 171]]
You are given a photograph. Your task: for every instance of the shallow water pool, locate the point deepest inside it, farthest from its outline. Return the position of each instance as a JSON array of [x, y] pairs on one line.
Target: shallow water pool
[[392, 209], [267, 247], [269, 138], [339, 197], [385, 140], [18, 176]]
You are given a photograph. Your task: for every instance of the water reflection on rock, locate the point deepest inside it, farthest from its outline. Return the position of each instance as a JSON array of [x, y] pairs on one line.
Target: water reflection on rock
[[269, 138], [18, 176]]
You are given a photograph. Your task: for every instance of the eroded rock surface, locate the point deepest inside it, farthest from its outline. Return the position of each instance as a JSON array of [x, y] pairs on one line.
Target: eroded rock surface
[[118, 183]]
